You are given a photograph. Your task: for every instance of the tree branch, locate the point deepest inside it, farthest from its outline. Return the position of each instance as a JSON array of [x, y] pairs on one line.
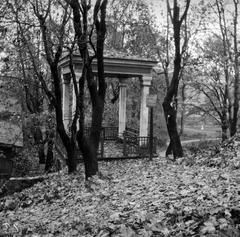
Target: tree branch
[[185, 11]]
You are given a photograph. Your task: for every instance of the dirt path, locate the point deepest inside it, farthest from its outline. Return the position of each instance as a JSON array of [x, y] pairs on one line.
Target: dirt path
[[162, 152]]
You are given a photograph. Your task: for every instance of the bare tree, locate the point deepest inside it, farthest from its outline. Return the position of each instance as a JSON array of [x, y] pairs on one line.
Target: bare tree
[[221, 83], [234, 120], [170, 100], [84, 33]]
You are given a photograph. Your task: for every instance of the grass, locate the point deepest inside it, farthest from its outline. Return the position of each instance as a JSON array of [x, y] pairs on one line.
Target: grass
[[196, 132]]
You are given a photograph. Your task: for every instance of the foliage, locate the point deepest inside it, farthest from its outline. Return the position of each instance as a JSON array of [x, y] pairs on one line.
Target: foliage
[[131, 28], [110, 116], [195, 148], [25, 162], [131, 198], [215, 154], [216, 70]]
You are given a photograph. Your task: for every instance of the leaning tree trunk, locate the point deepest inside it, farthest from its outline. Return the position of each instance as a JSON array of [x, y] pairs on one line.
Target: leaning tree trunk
[[174, 147], [68, 142], [170, 100]]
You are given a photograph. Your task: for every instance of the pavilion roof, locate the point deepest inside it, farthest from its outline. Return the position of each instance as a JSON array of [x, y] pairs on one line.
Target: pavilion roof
[[115, 63], [125, 55]]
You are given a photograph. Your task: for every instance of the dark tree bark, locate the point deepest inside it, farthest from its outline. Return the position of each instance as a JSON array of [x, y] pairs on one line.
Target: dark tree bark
[[68, 141], [39, 142], [183, 109], [170, 100], [224, 132], [174, 146], [41, 154], [96, 86], [233, 126], [224, 124], [49, 159]]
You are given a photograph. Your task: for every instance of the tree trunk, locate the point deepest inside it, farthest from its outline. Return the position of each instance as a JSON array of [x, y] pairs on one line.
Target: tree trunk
[[224, 132], [224, 126], [68, 142], [174, 146], [182, 109], [170, 100], [233, 126], [39, 142], [181, 124], [89, 146], [89, 157], [96, 87], [41, 154], [70, 147], [72, 158], [49, 159]]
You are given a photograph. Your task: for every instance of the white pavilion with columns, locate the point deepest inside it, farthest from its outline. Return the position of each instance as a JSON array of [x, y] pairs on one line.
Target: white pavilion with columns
[[124, 69]]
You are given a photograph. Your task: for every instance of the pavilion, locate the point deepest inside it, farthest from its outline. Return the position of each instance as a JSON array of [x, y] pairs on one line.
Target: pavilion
[[122, 67]]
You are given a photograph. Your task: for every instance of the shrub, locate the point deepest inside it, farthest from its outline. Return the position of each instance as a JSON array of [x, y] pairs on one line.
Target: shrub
[[25, 162], [201, 146]]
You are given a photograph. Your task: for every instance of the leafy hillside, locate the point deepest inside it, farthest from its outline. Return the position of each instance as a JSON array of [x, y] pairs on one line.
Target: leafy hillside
[[131, 198], [10, 112]]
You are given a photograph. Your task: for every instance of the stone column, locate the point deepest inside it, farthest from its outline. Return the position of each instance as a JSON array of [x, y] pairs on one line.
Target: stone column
[[144, 111], [66, 99], [78, 75], [122, 106]]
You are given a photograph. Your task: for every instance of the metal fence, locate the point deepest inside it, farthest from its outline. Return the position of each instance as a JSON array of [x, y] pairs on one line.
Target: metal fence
[[138, 146], [110, 133], [107, 133], [130, 145]]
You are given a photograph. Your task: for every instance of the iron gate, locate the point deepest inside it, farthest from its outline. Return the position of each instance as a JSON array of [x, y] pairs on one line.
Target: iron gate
[[134, 146]]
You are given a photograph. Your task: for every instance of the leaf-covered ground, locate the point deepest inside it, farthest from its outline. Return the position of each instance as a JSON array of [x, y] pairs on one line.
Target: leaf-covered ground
[[131, 198]]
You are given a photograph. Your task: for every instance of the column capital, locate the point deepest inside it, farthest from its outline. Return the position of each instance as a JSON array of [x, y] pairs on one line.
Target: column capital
[[122, 82], [146, 80], [78, 75]]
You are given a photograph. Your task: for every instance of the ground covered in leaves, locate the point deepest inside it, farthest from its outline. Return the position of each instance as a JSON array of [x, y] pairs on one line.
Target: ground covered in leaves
[[131, 198]]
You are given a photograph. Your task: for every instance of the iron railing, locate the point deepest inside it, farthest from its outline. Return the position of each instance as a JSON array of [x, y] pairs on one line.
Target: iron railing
[[110, 133], [132, 145], [138, 146]]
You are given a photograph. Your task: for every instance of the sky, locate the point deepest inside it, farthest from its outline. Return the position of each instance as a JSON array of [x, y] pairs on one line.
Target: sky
[[158, 8]]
